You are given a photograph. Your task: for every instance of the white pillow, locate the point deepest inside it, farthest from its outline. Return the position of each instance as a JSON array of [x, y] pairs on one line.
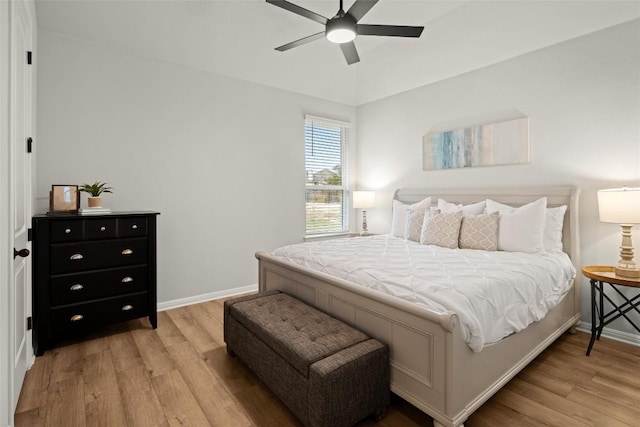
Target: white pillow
[[554, 221], [467, 210], [425, 223], [415, 218], [399, 218], [520, 229]]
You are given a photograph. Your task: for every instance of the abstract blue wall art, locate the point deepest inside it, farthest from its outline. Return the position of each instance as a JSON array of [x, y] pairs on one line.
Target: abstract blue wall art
[[503, 143]]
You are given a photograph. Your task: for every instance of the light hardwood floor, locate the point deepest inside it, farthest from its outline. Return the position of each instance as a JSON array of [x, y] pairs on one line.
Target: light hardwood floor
[[180, 374]]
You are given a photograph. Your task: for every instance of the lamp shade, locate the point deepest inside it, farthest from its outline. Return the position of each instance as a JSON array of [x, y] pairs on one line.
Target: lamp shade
[[619, 205], [364, 199]]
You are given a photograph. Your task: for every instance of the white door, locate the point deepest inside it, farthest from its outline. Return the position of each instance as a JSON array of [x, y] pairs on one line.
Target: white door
[[20, 197]]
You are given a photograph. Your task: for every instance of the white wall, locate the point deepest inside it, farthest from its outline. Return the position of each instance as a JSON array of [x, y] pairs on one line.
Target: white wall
[[583, 101], [221, 159]]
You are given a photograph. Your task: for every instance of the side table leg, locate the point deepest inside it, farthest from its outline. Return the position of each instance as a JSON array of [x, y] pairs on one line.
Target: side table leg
[[600, 289], [594, 327]]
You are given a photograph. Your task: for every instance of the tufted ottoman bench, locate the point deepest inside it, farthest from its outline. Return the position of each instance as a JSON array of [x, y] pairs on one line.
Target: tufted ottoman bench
[[325, 371]]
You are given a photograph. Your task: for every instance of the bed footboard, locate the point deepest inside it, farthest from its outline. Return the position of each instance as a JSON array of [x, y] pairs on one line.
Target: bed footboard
[[416, 337]]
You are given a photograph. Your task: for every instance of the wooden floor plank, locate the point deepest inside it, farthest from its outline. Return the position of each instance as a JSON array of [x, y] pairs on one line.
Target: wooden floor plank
[[34, 393], [198, 336], [597, 395], [618, 413], [497, 414], [124, 352], [536, 374], [103, 403], [525, 405], [583, 413], [152, 351], [217, 403], [65, 403], [180, 406], [141, 404], [168, 332], [66, 363], [180, 374], [207, 322]]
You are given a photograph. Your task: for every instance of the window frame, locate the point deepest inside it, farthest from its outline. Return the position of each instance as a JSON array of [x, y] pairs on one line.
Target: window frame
[[345, 143]]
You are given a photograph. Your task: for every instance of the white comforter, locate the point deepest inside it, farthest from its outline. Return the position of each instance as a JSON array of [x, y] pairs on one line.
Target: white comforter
[[494, 293]]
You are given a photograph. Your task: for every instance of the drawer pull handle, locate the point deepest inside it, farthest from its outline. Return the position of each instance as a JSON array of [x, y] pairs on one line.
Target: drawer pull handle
[[75, 257], [67, 230], [127, 252], [127, 307], [134, 226], [127, 279], [76, 287], [103, 228], [77, 317]]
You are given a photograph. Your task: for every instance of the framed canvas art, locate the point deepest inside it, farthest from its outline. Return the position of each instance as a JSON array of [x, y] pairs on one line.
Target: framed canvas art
[[503, 143]]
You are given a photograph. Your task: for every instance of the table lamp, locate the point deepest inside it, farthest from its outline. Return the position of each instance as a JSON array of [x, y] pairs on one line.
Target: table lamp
[[363, 200], [622, 206]]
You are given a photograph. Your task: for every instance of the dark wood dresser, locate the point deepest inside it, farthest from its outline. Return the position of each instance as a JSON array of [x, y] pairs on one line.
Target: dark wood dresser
[[90, 271]]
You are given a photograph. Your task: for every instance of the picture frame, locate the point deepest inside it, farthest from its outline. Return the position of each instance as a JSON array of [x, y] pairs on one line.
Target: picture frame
[[64, 198]]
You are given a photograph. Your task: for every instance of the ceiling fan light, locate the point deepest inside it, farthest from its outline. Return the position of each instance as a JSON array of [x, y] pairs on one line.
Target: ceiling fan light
[[341, 28], [341, 35]]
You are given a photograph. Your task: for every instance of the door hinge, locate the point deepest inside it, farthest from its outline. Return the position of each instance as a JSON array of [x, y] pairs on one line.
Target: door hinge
[[30, 234], [29, 145], [29, 323], [29, 57]]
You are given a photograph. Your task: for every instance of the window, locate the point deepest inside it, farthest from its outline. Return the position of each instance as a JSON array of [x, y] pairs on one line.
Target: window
[[326, 167]]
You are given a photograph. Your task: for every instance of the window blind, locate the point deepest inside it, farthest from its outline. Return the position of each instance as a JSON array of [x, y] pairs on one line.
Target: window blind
[[326, 180]]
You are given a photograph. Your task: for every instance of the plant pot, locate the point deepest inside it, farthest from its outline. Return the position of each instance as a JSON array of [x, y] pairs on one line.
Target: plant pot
[[95, 202]]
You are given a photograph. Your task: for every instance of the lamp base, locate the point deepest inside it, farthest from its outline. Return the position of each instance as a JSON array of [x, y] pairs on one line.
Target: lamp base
[[633, 273], [626, 266]]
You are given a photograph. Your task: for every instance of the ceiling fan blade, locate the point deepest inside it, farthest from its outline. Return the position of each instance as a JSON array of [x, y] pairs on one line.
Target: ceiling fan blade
[[388, 30], [360, 8], [350, 52], [299, 11], [301, 41]]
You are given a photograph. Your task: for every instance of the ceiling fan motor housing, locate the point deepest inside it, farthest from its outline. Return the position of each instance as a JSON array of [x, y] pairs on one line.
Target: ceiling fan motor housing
[[343, 24]]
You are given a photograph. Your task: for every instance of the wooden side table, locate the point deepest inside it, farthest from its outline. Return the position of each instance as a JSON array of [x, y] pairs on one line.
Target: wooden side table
[[598, 276]]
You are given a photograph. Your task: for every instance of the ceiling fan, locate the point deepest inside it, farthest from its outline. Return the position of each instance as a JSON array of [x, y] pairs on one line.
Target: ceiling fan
[[343, 28]]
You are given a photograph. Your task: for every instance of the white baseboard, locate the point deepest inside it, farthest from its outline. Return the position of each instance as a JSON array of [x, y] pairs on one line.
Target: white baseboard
[[166, 305], [625, 337]]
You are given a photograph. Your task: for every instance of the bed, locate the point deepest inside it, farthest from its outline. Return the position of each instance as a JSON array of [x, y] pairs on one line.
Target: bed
[[432, 366]]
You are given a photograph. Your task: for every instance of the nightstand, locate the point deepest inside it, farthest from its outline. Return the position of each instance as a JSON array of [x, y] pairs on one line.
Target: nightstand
[[599, 275]]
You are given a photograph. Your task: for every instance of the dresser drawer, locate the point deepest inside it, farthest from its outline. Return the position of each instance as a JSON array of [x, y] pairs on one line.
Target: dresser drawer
[[78, 287], [100, 228], [66, 231], [132, 227], [79, 317], [82, 256]]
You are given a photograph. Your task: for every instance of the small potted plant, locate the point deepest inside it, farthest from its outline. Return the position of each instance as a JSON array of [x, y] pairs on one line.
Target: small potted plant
[[95, 190]]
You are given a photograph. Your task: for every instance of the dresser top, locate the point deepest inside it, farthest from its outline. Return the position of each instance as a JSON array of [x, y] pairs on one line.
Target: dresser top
[[75, 215]]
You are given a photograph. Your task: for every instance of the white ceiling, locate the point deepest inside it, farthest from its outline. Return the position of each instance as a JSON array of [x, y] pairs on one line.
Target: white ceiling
[[237, 38]]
